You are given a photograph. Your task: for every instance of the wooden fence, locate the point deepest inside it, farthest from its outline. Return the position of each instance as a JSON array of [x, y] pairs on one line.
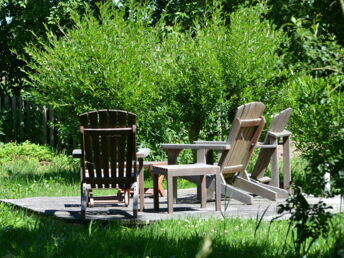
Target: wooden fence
[[22, 120]]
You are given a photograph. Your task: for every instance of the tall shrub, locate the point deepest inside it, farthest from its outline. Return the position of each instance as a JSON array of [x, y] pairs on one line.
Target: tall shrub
[[251, 58], [318, 127], [177, 81], [100, 63]]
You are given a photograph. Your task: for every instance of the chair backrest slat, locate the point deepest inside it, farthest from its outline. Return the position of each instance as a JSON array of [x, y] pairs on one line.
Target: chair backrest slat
[[108, 145], [104, 142], [247, 127]]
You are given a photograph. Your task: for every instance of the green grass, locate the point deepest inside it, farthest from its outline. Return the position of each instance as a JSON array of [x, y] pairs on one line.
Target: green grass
[[25, 234]]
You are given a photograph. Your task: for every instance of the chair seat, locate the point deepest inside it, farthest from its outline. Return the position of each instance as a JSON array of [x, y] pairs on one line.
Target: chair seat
[[186, 170]]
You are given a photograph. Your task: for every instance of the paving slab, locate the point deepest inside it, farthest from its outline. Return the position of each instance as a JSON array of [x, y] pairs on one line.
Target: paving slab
[[187, 207]]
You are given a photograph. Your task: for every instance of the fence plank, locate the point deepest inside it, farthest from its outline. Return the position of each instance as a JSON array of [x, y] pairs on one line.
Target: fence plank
[[25, 120]]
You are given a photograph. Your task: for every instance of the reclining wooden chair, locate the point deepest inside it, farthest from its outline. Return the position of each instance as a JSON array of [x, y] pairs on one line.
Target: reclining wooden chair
[[268, 153], [236, 153], [108, 158]]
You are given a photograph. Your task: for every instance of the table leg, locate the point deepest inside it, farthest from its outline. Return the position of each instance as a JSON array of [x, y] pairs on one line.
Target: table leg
[[155, 192], [175, 193], [217, 192], [203, 191], [141, 184], [169, 193]]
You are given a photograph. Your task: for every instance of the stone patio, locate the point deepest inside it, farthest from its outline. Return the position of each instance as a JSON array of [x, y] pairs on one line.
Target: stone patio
[[68, 208]]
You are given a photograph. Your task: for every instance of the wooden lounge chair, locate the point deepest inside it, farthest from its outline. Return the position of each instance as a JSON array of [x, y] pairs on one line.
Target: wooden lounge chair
[[108, 158], [268, 153], [236, 152]]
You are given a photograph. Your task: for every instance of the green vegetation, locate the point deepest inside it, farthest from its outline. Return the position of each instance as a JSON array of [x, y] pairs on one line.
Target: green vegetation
[[183, 67], [27, 235]]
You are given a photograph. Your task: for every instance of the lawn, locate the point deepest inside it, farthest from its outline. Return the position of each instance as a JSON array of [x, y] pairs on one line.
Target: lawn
[[26, 234]]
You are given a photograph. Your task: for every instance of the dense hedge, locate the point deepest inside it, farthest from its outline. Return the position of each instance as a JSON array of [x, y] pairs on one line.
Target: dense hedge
[[185, 83]]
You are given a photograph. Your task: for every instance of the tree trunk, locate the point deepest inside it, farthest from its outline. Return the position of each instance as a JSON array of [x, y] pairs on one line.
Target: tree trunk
[[342, 5], [194, 131]]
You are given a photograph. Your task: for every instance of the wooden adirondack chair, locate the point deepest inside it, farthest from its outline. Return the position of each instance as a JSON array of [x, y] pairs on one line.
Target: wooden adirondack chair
[[268, 153], [108, 157], [236, 153]]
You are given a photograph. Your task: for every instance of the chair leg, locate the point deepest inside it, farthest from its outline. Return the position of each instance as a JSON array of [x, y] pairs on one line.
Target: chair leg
[[141, 184], [170, 193], [156, 192], [217, 193], [135, 200], [203, 191], [126, 197], [84, 199]]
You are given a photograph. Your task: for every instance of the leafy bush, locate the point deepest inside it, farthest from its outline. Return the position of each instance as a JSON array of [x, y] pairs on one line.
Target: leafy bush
[[30, 157], [317, 124], [309, 221], [178, 82], [13, 152]]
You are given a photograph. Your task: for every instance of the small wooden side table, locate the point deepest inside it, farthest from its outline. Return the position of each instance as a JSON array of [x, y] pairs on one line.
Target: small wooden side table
[[174, 171]]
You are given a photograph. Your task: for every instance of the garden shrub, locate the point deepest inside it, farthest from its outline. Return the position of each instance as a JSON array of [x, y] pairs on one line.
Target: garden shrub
[[177, 81], [13, 151], [253, 68], [317, 123], [28, 156]]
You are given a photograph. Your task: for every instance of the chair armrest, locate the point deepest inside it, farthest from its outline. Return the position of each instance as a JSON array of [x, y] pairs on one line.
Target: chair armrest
[[76, 153], [209, 142], [262, 145], [196, 146], [142, 153], [284, 133]]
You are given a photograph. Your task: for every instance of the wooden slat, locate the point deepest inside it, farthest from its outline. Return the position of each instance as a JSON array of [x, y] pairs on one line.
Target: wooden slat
[[103, 122], [94, 122], [112, 181], [250, 122], [121, 156], [112, 145], [87, 145], [98, 131], [233, 169]]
